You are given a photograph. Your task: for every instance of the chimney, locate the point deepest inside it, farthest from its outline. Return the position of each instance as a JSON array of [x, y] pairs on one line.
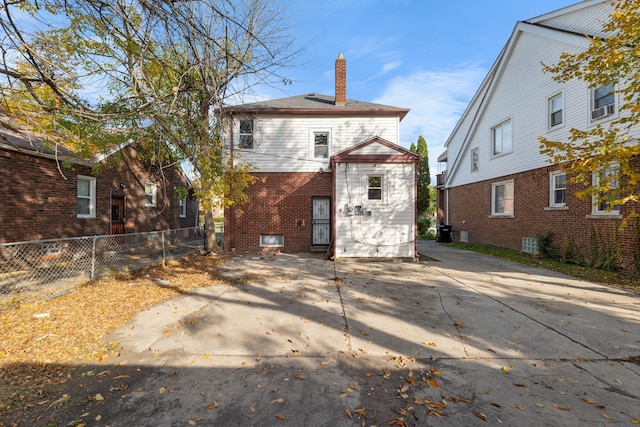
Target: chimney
[[341, 81]]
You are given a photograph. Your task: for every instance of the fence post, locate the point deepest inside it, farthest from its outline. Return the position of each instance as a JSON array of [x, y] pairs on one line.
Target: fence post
[[164, 255], [93, 258]]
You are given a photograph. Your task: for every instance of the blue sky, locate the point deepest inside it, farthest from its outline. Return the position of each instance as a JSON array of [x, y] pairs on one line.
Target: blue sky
[[426, 55]]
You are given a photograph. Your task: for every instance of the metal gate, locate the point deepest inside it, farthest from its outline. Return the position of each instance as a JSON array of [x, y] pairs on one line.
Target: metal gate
[[321, 223]]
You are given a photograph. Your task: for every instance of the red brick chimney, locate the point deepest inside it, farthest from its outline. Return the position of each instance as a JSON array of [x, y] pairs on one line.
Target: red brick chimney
[[341, 81]]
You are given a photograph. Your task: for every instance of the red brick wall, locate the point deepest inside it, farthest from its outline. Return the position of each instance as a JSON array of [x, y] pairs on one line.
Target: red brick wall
[[278, 203], [39, 201], [470, 210]]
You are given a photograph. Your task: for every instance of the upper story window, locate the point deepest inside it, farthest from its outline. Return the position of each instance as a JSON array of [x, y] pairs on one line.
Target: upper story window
[[502, 198], [245, 134], [150, 193], [321, 145], [558, 189], [556, 107], [603, 102], [608, 178], [86, 197], [183, 207], [475, 159], [502, 138]]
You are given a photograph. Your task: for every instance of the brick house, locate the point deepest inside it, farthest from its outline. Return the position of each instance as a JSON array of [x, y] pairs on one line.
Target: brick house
[[331, 177], [56, 194], [498, 189]]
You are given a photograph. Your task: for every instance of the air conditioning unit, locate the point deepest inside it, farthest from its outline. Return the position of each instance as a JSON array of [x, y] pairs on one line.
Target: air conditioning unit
[[604, 111]]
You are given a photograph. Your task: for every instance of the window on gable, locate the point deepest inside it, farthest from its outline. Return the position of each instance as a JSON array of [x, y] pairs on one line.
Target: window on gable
[[183, 207], [150, 193], [245, 135], [502, 138], [556, 106], [558, 189], [502, 198], [475, 158], [374, 187], [602, 203], [86, 197], [603, 102], [321, 145]]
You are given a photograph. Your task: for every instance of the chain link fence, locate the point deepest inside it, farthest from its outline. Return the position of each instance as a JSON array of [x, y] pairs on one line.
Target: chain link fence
[[57, 265]]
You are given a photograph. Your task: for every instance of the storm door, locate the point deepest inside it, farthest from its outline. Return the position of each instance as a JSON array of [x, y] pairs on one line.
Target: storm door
[[321, 222], [117, 215]]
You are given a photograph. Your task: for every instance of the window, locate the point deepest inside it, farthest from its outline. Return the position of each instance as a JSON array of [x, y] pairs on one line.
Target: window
[[374, 187], [86, 196], [603, 102], [271, 240], [556, 105], [501, 137], [558, 190], [246, 134], [321, 145], [475, 156], [150, 193], [502, 198], [183, 207], [608, 178]]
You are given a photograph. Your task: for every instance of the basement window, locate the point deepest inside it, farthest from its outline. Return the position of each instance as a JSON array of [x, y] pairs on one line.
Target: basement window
[[271, 240]]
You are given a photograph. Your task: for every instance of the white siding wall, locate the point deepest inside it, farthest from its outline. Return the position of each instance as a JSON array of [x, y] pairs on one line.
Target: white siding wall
[[521, 94], [585, 21], [283, 143], [389, 230]]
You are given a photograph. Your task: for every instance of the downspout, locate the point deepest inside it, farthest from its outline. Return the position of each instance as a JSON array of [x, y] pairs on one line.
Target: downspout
[[415, 207], [332, 165]]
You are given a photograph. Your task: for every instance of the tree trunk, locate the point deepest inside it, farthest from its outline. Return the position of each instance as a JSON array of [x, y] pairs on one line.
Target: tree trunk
[[210, 242]]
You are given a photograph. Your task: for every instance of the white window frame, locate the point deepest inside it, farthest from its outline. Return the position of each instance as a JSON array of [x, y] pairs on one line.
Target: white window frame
[[505, 213], [597, 207], [183, 207], [594, 104], [499, 131], [91, 197], [551, 110], [252, 134], [312, 144], [154, 194], [383, 190], [271, 240], [475, 159], [555, 186]]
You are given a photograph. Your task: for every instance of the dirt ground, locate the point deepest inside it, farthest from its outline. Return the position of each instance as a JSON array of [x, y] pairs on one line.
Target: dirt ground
[[42, 353]]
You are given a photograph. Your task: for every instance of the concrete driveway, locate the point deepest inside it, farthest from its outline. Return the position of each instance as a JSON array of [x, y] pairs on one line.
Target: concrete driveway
[[458, 339]]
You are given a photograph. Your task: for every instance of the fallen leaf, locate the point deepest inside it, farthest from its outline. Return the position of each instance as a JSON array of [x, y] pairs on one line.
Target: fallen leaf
[[281, 417], [505, 369], [98, 417], [369, 374], [539, 405], [562, 408], [433, 383], [298, 377], [634, 421], [480, 415], [162, 390], [206, 356], [279, 400], [214, 405], [361, 412], [348, 412], [606, 417], [519, 407], [519, 385], [430, 344]]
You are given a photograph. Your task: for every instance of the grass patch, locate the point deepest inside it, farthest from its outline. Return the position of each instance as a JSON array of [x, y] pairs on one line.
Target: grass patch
[[609, 278]]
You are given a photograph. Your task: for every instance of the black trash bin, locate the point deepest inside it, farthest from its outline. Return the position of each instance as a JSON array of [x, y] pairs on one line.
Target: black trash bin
[[444, 233]]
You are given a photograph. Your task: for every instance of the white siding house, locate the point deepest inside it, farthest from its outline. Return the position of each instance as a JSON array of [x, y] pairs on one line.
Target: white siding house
[[331, 177], [498, 188]]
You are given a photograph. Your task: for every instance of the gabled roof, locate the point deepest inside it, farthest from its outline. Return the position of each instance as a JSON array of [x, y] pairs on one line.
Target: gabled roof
[[25, 141], [315, 104], [550, 25], [390, 153]]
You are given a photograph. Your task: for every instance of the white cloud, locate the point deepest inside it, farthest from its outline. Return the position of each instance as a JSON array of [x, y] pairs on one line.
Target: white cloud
[[437, 99]]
